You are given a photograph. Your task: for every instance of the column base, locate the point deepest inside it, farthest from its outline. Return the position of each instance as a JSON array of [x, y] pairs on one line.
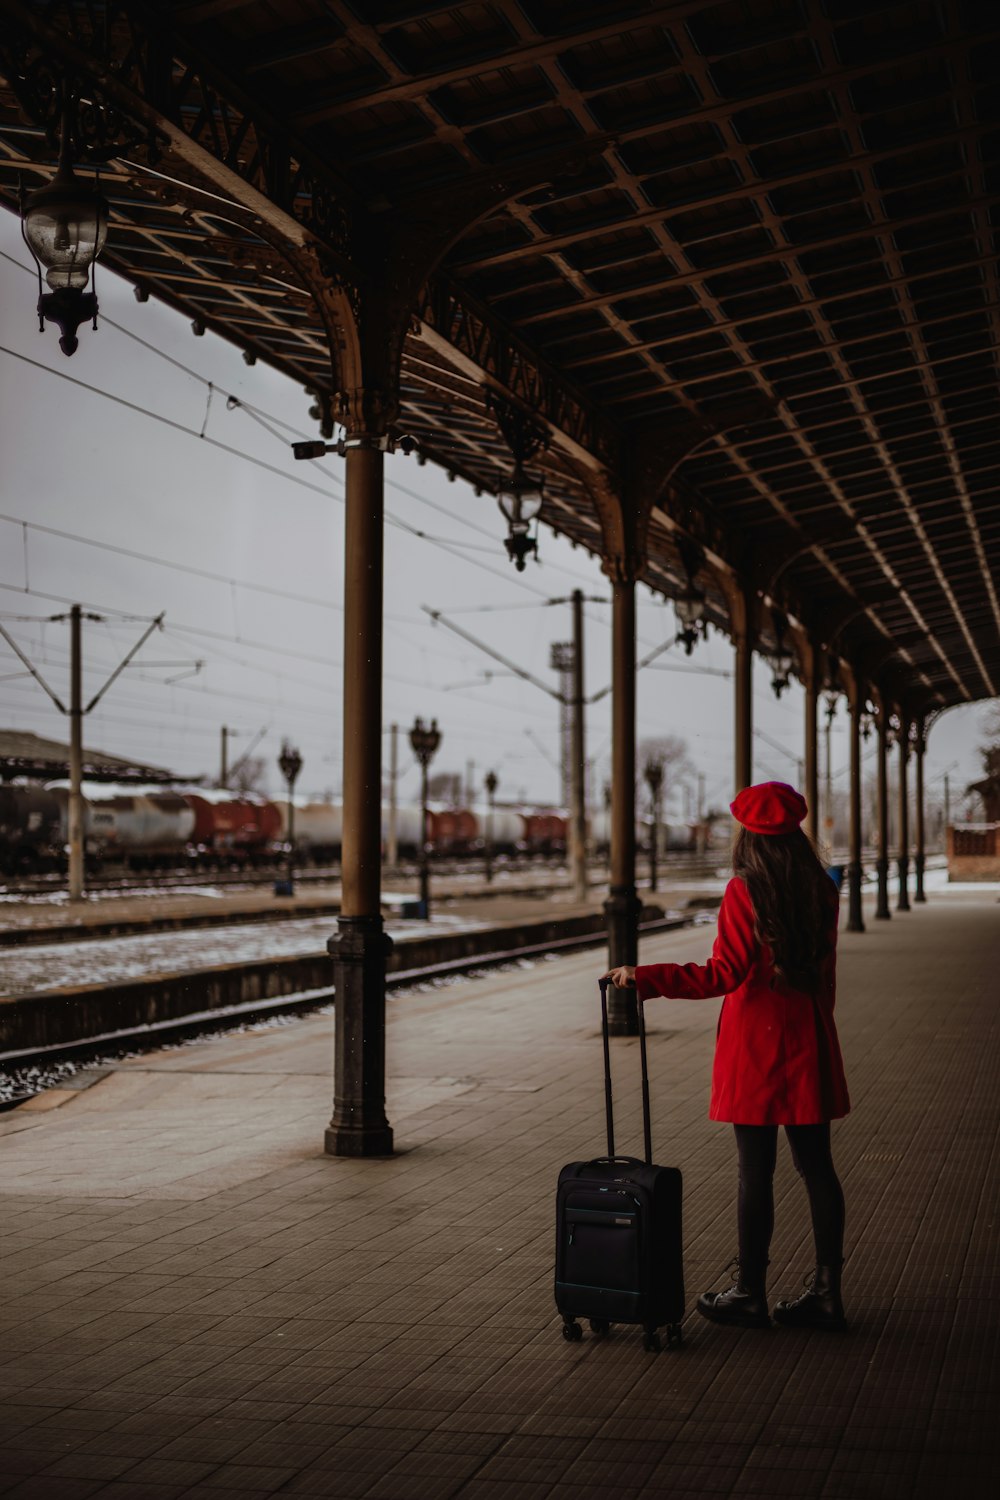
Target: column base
[[855, 918], [365, 1141], [359, 1126], [882, 912], [903, 900], [621, 913]]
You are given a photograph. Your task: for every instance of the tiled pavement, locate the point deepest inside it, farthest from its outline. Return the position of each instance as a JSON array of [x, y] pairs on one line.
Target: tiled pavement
[[198, 1302]]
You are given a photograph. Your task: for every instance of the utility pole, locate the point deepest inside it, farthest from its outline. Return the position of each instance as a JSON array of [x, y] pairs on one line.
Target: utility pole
[[75, 809], [579, 818], [567, 659], [76, 713], [392, 836], [947, 804], [561, 661], [224, 759]]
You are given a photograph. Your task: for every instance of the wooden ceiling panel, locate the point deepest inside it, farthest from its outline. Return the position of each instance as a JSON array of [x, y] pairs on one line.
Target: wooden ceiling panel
[[793, 203]]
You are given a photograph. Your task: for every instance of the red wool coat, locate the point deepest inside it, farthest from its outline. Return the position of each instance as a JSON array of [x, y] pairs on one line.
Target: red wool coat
[[777, 1057]]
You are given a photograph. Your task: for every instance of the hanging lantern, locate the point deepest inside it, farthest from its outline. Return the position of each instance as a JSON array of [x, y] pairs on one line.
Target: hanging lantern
[[520, 503], [689, 608], [782, 658], [65, 225]]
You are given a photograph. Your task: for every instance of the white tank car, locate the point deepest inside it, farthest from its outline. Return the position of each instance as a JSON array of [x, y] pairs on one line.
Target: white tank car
[[408, 826], [129, 817], [318, 825], [507, 826]]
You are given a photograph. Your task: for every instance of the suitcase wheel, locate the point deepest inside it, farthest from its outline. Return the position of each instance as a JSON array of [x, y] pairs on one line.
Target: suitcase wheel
[[600, 1326], [675, 1336], [572, 1332], [651, 1341]]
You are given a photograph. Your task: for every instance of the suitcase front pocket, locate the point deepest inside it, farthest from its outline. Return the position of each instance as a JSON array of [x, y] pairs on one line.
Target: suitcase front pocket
[[601, 1249]]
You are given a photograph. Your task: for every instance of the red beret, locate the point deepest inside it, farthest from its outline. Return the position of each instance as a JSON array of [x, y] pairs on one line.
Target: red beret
[[769, 807]]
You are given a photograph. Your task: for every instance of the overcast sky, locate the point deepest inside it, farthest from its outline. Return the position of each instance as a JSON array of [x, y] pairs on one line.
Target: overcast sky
[[183, 502]]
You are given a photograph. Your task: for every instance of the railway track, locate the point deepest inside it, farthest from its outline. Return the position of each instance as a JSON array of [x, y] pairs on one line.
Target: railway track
[[180, 880], [31, 1071]]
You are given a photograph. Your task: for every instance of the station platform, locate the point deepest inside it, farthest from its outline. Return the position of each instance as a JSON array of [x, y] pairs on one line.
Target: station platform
[[199, 1302]]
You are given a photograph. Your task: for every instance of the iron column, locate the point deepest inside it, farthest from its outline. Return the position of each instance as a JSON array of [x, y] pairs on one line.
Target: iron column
[[623, 905], [882, 911], [359, 1126], [903, 901], [855, 916], [743, 749], [392, 829], [577, 755], [811, 788], [918, 798]]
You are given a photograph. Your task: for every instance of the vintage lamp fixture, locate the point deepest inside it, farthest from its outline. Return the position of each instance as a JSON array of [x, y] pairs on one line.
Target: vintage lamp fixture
[[689, 605], [65, 225], [520, 501], [690, 610], [520, 496], [782, 657]]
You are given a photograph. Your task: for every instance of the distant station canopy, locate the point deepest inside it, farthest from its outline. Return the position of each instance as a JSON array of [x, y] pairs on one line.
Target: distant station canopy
[[737, 261], [37, 759]]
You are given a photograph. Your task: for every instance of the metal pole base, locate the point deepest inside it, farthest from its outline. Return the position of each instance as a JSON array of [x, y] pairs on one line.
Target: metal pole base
[[903, 902], [621, 914], [882, 911], [359, 1126], [855, 917], [918, 865]]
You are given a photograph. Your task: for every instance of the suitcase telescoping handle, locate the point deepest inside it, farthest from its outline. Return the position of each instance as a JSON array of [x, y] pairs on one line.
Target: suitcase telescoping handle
[[609, 1108]]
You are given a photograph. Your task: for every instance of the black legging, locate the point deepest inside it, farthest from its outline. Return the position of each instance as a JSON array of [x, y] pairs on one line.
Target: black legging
[[758, 1149]]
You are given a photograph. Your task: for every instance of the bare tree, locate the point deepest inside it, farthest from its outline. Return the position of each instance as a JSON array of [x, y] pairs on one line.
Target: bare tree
[[671, 751], [248, 775], [446, 786], [988, 789]]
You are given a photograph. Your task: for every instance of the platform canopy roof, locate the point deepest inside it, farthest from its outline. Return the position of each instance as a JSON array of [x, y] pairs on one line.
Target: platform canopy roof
[[738, 261], [39, 759]]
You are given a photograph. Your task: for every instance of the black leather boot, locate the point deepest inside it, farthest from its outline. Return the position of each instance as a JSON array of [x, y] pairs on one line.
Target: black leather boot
[[820, 1305], [743, 1306]]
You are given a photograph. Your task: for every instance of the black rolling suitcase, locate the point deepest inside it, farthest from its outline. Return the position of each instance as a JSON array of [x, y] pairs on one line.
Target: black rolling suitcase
[[619, 1254]]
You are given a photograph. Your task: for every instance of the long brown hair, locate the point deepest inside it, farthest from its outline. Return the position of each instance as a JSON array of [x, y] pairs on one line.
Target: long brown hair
[[793, 899]]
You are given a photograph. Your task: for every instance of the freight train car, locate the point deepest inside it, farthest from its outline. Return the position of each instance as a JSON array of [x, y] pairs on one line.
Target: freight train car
[[147, 827], [241, 828], [32, 836]]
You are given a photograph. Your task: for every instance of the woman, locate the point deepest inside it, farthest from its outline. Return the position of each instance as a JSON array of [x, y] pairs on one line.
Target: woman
[[777, 1057]]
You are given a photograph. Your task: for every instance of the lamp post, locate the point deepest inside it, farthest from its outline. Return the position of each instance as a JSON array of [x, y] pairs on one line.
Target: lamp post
[[65, 225], [289, 764], [653, 773], [490, 782], [424, 742]]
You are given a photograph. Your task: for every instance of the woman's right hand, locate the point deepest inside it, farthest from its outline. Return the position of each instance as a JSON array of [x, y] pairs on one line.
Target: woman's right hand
[[623, 978]]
